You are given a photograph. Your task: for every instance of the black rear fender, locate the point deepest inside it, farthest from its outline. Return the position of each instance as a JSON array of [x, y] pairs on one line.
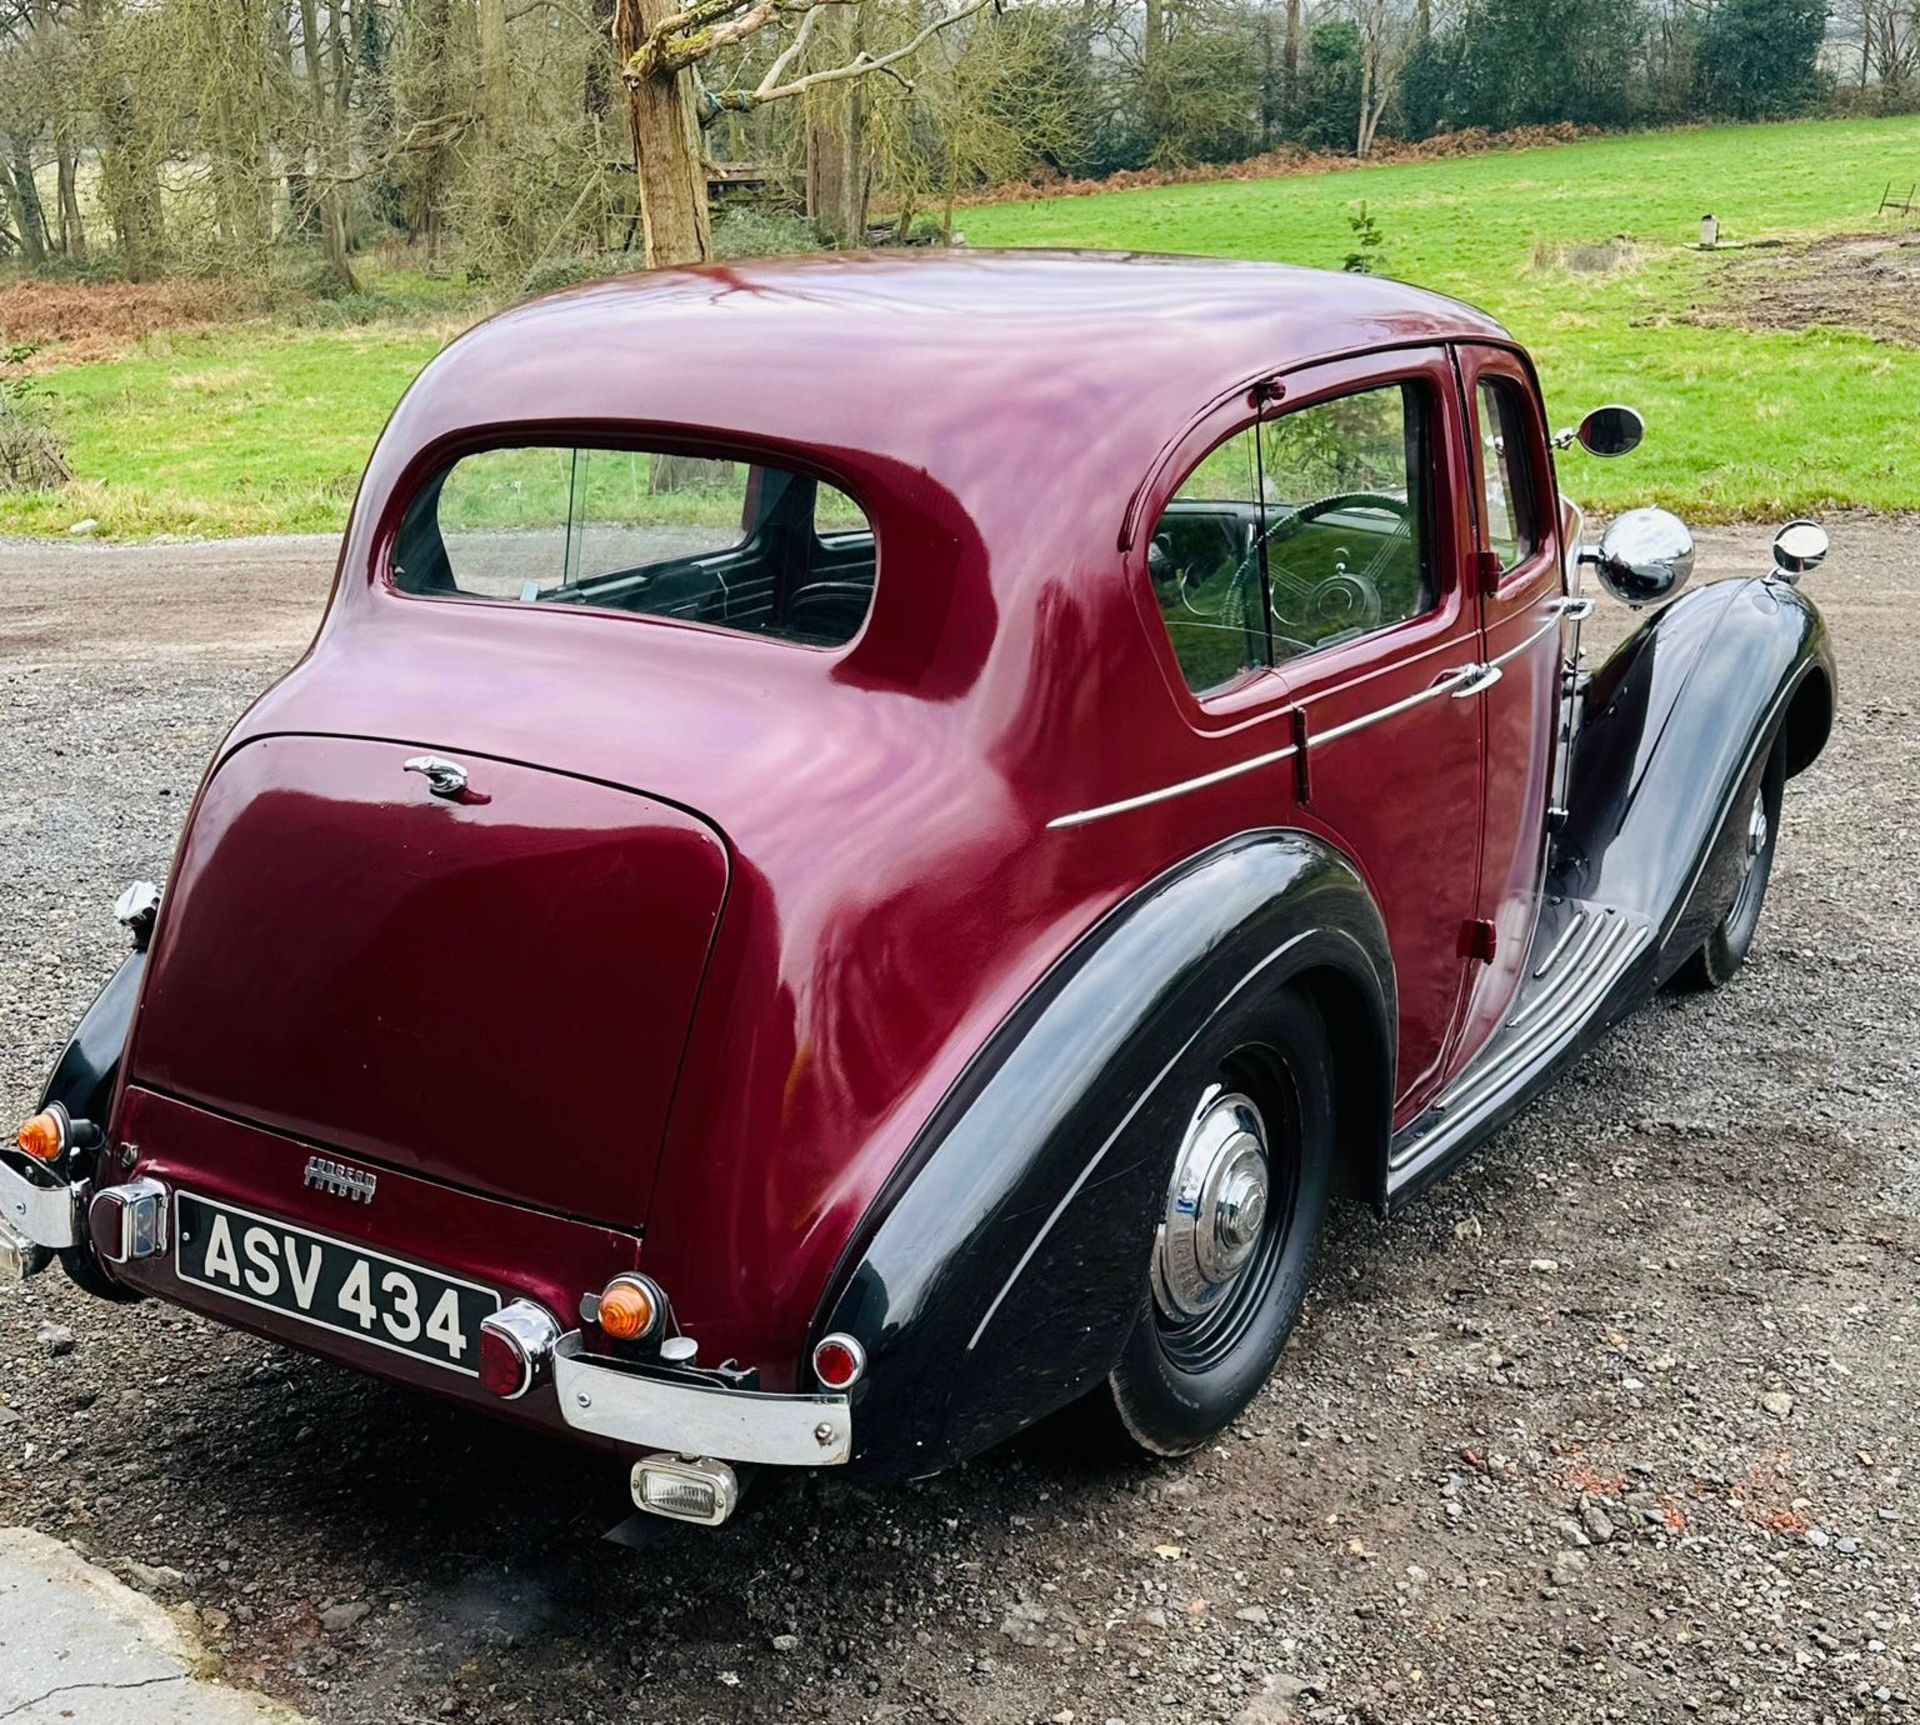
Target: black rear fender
[[84, 1076], [997, 1274]]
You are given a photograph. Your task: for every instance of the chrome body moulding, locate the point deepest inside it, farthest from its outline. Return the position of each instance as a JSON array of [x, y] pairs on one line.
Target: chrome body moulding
[[1461, 682], [634, 1406]]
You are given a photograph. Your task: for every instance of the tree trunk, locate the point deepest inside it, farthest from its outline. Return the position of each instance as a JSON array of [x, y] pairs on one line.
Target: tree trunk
[[496, 119], [1269, 104], [1292, 56], [73, 232], [326, 205], [596, 93], [435, 21], [1363, 135], [663, 116], [24, 195], [839, 177], [127, 185]]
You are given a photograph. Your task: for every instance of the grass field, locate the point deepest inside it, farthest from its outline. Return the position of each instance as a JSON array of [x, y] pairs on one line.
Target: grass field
[[259, 427]]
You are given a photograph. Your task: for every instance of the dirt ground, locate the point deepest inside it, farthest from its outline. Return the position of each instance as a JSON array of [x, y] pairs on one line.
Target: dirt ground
[[1868, 283], [1618, 1424]]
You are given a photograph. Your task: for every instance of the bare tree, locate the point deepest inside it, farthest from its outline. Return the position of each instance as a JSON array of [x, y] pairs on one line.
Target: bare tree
[[1385, 41], [663, 46]]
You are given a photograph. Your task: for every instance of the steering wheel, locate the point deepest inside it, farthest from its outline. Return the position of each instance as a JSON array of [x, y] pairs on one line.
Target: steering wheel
[[1346, 601], [1308, 513]]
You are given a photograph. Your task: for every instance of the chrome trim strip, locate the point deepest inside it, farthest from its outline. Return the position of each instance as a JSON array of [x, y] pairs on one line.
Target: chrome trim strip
[[632, 1407], [1448, 682], [1560, 945], [1515, 651], [1166, 792], [1598, 934], [47, 1215], [1572, 1001]]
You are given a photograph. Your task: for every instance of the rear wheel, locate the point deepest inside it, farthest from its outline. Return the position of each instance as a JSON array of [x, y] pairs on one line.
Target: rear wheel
[[1236, 1244], [1725, 949]]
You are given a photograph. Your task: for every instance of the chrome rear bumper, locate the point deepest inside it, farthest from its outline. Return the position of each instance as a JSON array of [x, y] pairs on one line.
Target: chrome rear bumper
[[37, 1205], [655, 1413], [39, 1215]]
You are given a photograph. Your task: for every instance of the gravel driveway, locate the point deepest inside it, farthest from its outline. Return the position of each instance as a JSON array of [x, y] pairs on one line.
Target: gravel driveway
[[1620, 1423]]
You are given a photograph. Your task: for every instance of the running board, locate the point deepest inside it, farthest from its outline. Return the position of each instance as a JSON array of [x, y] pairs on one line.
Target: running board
[[1581, 954]]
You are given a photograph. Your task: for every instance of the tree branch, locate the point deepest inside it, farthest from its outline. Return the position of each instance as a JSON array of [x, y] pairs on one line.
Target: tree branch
[[859, 66], [791, 52]]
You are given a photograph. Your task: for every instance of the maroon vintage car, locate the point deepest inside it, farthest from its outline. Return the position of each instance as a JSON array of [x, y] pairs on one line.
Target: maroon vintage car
[[866, 843]]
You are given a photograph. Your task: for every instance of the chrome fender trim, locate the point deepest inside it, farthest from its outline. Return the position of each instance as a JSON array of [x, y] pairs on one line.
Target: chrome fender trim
[[631, 1406], [47, 1214]]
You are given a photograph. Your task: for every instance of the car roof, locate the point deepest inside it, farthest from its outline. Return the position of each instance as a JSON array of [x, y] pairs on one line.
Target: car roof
[[1087, 307], [894, 351]]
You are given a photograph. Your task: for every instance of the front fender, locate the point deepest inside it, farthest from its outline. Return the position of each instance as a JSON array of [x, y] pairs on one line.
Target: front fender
[[995, 1279], [1673, 727]]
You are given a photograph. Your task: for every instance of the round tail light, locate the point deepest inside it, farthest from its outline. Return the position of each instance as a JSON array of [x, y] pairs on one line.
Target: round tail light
[[630, 1307], [838, 1361], [44, 1137]]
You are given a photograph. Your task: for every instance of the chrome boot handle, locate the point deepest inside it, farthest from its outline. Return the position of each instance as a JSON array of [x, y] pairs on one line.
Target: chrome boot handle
[[444, 778]]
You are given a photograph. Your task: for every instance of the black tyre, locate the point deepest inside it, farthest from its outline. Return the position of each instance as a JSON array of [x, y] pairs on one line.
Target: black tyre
[[1233, 1255], [1755, 828]]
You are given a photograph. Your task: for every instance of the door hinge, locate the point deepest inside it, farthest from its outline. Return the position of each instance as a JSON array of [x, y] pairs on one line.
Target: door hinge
[[1479, 939], [1488, 568]]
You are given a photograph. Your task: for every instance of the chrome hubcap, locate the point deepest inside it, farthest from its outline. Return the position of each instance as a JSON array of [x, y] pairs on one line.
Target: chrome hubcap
[[1757, 830], [1216, 1208]]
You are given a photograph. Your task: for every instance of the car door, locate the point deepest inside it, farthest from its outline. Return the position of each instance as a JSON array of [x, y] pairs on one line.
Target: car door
[[1521, 600], [1377, 634]]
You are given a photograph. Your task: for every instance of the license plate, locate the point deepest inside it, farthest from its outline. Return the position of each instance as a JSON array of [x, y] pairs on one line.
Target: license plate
[[332, 1284]]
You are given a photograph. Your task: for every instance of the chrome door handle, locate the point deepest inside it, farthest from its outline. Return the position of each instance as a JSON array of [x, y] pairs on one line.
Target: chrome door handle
[[1571, 610], [1478, 679], [444, 778]]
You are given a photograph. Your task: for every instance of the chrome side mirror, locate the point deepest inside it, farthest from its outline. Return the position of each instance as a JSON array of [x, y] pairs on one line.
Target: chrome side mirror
[[1799, 548], [1645, 556], [1606, 431]]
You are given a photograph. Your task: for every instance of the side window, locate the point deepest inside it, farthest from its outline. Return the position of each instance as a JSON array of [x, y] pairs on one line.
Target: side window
[[1346, 533], [1205, 566], [1304, 532], [1510, 504]]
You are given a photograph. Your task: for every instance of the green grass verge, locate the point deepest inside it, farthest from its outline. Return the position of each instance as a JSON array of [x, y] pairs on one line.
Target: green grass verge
[[264, 428], [1742, 422], [249, 430]]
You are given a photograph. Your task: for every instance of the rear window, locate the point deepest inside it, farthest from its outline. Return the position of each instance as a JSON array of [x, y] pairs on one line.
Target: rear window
[[731, 544]]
